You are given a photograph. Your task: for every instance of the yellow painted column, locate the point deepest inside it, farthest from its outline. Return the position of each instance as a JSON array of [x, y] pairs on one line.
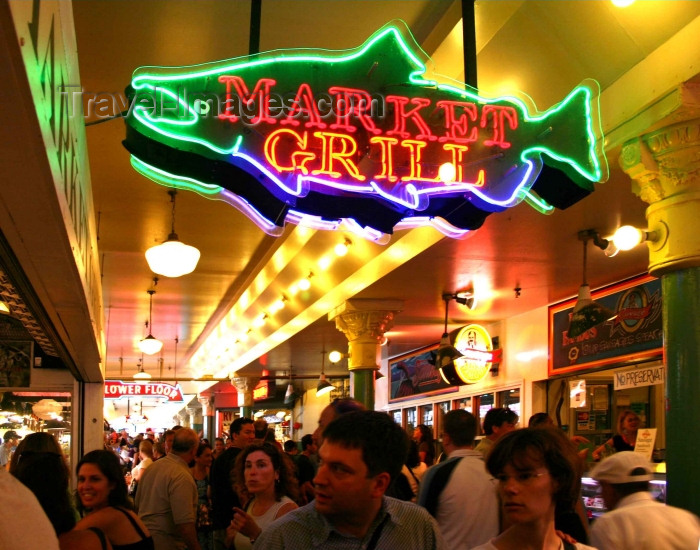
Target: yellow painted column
[[245, 386], [364, 323], [664, 165]]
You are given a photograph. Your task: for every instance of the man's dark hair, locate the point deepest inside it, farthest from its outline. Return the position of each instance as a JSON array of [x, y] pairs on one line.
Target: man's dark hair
[[497, 417], [307, 441], [384, 443], [345, 405], [289, 446], [460, 425], [237, 424]]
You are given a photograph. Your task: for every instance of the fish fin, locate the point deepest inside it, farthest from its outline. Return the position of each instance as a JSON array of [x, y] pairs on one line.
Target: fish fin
[[570, 139]]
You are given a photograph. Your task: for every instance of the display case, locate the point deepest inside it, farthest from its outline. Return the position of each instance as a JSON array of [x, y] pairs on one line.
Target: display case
[[593, 499]]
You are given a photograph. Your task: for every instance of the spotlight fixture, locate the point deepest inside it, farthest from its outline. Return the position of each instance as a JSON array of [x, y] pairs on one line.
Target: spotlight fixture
[[150, 345], [464, 297], [446, 352], [587, 313], [172, 258], [141, 374], [323, 386]]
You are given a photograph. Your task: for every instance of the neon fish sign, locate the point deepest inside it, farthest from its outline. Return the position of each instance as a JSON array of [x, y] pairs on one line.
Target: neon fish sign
[[360, 137]]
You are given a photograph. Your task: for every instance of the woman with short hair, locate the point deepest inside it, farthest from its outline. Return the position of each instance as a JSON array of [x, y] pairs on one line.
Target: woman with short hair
[[537, 470]]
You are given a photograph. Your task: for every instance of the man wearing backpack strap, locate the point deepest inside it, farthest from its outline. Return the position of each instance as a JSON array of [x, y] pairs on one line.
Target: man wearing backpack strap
[[459, 492]]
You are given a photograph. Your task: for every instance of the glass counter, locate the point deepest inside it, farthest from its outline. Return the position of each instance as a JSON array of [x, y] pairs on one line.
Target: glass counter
[[593, 499]]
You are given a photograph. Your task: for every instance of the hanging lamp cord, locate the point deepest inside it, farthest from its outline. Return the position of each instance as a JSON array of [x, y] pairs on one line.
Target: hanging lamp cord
[[172, 194]]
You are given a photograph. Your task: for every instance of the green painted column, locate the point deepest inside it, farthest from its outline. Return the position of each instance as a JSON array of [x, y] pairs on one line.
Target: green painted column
[[681, 310], [364, 323], [665, 168]]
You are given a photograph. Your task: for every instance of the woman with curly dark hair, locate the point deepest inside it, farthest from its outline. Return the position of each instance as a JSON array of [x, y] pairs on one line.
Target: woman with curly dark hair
[[103, 497], [264, 478]]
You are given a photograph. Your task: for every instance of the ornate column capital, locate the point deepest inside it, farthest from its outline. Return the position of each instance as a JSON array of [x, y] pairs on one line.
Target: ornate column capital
[[245, 386], [205, 401], [664, 165], [364, 323]]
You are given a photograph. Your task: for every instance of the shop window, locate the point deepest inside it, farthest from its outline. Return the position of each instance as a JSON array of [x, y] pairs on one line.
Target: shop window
[[510, 399], [465, 404], [444, 407], [411, 420], [27, 412], [397, 416], [427, 415], [486, 402]]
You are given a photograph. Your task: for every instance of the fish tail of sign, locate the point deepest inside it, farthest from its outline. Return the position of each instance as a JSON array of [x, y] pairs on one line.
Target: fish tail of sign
[[571, 138]]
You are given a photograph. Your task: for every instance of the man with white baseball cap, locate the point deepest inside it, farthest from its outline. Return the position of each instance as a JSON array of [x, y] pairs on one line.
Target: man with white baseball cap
[[635, 521]]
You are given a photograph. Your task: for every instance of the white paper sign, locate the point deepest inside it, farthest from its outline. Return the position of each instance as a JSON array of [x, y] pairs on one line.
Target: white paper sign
[[577, 394], [645, 442], [636, 378]]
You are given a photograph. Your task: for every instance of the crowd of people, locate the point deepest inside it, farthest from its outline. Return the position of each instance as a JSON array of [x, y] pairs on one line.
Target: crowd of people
[[358, 481]]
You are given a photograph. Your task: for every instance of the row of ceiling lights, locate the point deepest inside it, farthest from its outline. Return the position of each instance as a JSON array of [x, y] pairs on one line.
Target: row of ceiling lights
[[173, 258]]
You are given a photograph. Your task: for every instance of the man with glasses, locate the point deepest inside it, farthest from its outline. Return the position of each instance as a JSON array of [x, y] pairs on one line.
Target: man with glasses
[[459, 492]]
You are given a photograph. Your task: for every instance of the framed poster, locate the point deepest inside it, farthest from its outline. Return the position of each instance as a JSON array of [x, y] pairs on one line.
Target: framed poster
[[635, 333], [16, 363], [414, 374]]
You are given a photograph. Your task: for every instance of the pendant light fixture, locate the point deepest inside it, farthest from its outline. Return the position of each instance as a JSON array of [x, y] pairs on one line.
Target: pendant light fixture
[[290, 395], [141, 374], [150, 345], [587, 313], [446, 352], [172, 258], [324, 386]]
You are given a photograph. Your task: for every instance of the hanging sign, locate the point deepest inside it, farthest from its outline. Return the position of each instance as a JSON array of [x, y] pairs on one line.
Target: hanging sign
[[363, 137], [636, 332], [639, 377], [478, 356], [261, 390], [116, 389]]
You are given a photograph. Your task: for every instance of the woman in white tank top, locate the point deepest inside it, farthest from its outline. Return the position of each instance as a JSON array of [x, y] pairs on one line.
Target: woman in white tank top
[[264, 476]]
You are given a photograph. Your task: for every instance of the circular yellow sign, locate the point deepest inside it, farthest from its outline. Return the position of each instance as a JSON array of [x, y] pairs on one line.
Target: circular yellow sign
[[476, 347]]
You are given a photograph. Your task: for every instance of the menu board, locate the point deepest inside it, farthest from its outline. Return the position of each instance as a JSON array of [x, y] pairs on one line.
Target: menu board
[[636, 332]]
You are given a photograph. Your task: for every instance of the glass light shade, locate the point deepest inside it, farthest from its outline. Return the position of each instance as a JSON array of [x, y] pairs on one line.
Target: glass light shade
[[323, 386], [335, 356], [627, 237], [4, 308], [172, 258], [150, 345], [142, 375]]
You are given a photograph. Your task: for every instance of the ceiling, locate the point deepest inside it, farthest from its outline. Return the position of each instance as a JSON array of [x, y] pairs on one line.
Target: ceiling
[[543, 48]]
